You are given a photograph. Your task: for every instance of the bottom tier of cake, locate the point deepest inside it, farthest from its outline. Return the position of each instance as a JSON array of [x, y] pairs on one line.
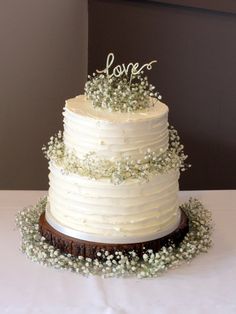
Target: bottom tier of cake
[[77, 247], [136, 210]]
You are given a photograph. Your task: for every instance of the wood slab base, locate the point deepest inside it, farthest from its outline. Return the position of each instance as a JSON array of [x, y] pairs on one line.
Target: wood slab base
[[77, 247]]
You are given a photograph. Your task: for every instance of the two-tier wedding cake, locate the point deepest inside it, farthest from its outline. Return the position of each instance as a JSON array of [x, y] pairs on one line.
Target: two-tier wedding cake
[[114, 170]]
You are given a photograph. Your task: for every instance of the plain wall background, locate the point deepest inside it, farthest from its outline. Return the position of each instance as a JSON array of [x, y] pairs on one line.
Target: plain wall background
[[196, 72], [43, 61]]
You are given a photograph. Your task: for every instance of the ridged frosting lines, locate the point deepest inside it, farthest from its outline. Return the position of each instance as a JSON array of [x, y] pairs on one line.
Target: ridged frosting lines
[[110, 136], [137, 211]]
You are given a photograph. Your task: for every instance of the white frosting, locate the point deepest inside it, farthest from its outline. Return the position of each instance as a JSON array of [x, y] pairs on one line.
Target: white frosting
[[99, 211], [114, 134]]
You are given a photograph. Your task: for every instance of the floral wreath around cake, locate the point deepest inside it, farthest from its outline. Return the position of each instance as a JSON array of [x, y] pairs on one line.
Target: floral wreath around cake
[[151, 264]]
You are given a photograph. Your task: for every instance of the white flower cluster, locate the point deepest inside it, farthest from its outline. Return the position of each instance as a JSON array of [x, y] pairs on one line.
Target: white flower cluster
[[55, 147], [118, 93], [118, 171], [152, 264]]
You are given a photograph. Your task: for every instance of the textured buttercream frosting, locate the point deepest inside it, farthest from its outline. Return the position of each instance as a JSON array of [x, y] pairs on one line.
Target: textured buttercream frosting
[[114, 134], [99, 211], [136, 210]]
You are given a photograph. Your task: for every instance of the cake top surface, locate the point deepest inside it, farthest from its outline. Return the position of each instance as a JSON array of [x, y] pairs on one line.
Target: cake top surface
[[83, 107]]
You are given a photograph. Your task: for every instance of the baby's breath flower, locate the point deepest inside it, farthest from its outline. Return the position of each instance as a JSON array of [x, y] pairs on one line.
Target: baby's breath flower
[[119, 93]]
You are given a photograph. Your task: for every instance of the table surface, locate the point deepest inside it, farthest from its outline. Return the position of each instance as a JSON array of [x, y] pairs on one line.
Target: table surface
[[206, 285]]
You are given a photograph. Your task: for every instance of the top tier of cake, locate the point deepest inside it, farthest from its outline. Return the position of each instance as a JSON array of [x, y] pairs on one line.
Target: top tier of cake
[[112, 135]]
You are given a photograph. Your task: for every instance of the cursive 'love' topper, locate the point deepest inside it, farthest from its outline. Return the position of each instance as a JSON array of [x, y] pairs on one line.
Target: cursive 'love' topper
[[122, 87], [131, 69]]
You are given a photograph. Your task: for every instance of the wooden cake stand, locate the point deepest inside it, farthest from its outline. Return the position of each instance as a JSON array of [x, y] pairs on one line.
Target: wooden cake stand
[[77, 247]]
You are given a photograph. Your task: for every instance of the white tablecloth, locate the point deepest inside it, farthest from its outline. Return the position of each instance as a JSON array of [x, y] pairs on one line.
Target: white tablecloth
[[207, 285]]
